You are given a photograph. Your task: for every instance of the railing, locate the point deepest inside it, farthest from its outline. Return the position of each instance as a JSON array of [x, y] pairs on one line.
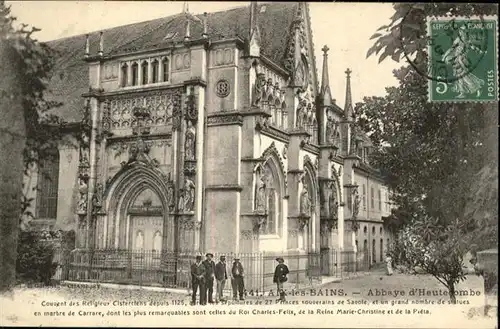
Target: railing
[[173, 269]]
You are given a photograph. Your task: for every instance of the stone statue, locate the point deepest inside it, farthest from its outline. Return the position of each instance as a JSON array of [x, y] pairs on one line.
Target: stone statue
[[190, 143], [84, 157], [324, 198], [356, 203], [83, 196], [189, 194], [139, 151], [330, 131], [182, 197], [260, 191], [139, 241], [170, 194], [305, 201], [301, 108], [332, 202], [258, 92], [157, 242]]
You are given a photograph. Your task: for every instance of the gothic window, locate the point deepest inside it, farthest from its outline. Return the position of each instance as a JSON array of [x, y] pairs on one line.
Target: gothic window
[[379, 199], [48, 184], [373, 230], [155, 69], [124, 75], [349, 199], [365, 229], [374, 251], [381, 250], [144, 67], [273, 198], [166, 69], [272, 212], [372, 197], [135, 74], [364, 196]]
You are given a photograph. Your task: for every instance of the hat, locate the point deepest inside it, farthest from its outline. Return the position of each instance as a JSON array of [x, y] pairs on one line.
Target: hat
[[236, 258], [209, 254], [222, 257], [279, 258], [198, 257]]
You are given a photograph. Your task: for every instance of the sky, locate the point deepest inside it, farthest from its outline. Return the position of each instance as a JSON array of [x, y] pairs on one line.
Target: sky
[[345, 28]]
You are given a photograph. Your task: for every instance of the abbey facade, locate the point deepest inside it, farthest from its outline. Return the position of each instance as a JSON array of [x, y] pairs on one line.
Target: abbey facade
[[209, 133]]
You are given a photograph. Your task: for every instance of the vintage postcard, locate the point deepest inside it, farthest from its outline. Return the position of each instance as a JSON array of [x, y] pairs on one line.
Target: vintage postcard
[[248, 164]]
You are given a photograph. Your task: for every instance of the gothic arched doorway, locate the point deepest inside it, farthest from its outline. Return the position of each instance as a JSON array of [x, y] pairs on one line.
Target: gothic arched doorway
[[138, 229]]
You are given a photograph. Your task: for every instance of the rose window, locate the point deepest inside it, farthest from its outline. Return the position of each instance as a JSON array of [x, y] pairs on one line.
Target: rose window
[[222, 88]]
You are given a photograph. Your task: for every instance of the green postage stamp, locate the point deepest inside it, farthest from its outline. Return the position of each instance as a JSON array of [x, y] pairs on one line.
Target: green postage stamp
[[463, 57]]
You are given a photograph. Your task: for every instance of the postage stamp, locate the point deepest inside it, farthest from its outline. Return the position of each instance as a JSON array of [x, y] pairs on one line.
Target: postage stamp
[[463, 55]]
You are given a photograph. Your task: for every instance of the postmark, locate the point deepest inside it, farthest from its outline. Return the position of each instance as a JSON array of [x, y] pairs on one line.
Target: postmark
[[462, 59]]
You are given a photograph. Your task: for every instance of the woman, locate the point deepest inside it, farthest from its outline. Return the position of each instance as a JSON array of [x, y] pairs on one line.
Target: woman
[[466, 82]]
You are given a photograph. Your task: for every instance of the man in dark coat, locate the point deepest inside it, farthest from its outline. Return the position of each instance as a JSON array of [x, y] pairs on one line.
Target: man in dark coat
[[221, 277], [198, 281], [237, 274], [280, 274], [209, 276]]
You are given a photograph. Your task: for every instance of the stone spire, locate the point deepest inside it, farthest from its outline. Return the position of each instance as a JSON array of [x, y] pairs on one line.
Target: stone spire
[[254, 37], [326, 94], [348, 110]]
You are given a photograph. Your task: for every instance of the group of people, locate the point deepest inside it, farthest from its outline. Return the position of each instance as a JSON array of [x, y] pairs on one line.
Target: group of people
[[204, 273]]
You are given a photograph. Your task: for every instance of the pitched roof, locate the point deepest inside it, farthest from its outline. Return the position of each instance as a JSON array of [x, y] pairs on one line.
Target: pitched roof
[[70, 76]]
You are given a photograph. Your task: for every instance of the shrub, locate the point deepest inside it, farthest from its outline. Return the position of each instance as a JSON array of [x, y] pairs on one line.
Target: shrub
[[35, 257]]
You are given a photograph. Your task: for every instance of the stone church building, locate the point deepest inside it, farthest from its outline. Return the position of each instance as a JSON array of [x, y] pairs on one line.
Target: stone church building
[[209, 133]]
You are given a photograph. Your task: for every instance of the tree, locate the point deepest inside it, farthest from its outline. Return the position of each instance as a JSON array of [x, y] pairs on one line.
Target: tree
[[27, 130], [431, 154]]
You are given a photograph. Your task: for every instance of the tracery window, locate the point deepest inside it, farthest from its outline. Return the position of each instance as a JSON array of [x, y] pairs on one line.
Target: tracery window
[[273, 198], [48, 185], [135, 72], [144, 68], [166, 67], [154, 67], [124, 73]]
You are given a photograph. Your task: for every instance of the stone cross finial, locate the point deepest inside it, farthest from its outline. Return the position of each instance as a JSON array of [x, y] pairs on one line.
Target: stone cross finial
[[348, 72], [325, 49]]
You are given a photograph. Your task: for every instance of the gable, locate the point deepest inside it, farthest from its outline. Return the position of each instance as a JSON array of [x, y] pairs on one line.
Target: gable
[[70, 76]]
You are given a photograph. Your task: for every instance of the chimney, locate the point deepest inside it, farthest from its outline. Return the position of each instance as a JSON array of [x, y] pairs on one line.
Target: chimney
[[87, 46], [101, 44], [205, 25]]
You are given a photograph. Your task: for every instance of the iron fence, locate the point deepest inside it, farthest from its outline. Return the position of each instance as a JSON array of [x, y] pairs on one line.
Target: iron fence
[[173, 269]]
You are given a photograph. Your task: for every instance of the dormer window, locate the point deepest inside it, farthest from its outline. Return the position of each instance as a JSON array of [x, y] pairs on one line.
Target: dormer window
[[165, 66], [135, 71], [124, 72], [155, 67], [144, 68]]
